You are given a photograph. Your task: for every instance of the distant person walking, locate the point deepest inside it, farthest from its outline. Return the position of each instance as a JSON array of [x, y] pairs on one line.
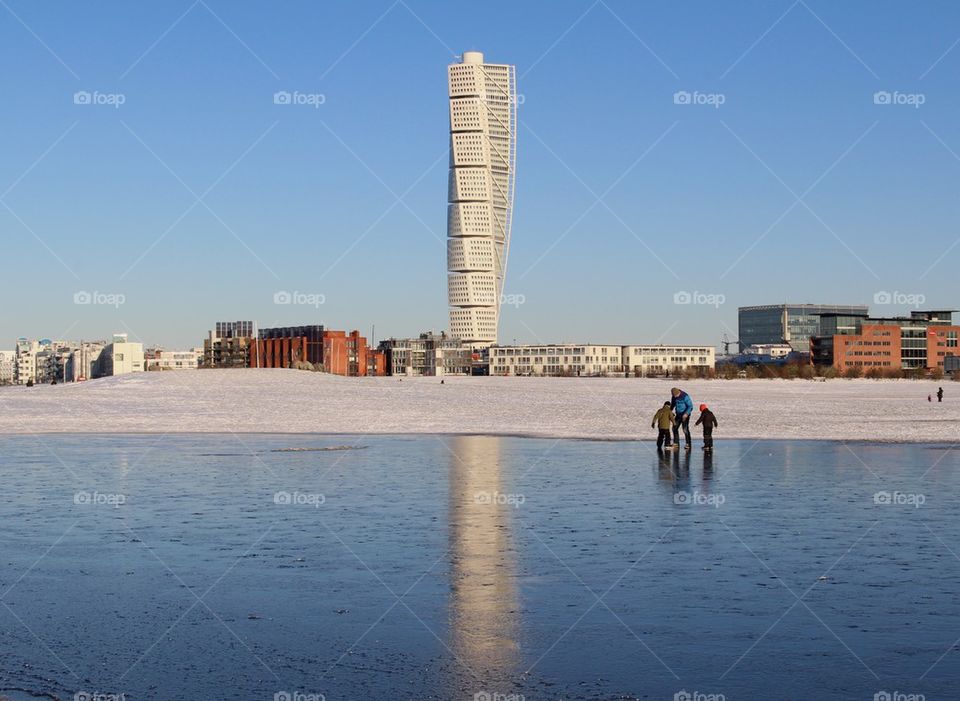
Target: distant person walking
[[682, 405], [663, 420], [939, 394], [709, 422]]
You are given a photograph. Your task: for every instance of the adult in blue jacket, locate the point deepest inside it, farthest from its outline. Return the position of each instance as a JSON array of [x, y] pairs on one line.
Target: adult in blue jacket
[[682, 405]]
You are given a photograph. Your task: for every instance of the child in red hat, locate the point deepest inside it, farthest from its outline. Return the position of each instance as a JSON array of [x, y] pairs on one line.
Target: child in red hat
[[709, 422]]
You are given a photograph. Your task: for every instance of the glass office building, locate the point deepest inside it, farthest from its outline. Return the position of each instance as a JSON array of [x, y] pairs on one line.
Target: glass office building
[[795, 324]]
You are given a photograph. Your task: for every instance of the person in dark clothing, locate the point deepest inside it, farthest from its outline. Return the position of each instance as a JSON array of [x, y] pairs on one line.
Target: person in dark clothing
[[663, 420], [682, 404], [939, 394], [709, 422]]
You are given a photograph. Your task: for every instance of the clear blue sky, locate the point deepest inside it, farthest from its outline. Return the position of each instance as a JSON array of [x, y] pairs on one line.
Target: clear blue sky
[[297, 198]]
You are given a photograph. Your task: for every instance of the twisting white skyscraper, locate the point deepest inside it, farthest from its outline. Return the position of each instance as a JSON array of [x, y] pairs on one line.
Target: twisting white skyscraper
[[483, 139]]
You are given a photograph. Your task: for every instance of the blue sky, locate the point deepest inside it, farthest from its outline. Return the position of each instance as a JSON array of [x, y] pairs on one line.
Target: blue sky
[[198, 198]]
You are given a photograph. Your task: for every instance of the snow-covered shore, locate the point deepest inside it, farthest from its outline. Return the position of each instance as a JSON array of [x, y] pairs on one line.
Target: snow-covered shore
[[288, 401]]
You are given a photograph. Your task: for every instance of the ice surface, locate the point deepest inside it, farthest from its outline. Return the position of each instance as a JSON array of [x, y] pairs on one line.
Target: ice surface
[[289, 401], [601, 571]]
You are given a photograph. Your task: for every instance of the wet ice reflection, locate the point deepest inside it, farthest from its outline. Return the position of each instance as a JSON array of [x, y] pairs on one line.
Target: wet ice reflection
[[483, 604]]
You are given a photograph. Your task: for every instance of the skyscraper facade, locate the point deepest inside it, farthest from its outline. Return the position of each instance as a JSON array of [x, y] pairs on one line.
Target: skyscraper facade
[[483, 138]]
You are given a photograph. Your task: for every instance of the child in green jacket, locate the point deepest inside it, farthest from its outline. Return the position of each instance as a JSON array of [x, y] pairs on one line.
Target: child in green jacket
[[663, 420]]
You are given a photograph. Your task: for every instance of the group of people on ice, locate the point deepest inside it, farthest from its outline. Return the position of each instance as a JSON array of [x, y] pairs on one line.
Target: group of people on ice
[[675, 414]]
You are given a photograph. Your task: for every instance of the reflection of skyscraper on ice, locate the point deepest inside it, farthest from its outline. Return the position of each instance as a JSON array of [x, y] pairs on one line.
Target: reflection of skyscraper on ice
[[484, 602]]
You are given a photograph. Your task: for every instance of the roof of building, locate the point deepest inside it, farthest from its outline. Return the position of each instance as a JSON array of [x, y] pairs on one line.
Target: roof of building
[[805, 305]]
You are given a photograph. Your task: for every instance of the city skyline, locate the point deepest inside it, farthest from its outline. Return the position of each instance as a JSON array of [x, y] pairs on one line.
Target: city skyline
[[181, 164]]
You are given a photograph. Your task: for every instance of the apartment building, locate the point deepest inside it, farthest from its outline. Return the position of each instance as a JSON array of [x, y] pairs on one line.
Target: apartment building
[[655, 360], [82, 363], [348, 354], [288, 346], [120, 357], [158, 359], [344, 353], [46, 361], [228, 345], [316, 347], [7, 361], [25, 361], [574, 359], [557, 359], [430, 354], [51, 362]]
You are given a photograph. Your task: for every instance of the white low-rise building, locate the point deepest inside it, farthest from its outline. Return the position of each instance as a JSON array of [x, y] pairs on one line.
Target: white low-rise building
[[8, 361], [160, 359], [653, 360], [25, 361], [566, 359], [769, 350], [120, 357], [82, 363], [557, 359], [47, 361]]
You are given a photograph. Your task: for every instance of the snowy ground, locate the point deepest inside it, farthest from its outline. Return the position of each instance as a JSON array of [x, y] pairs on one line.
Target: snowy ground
[[289, 401]]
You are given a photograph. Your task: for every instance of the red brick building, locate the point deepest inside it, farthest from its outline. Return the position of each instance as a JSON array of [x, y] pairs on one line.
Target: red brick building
[[876, 346], [278, 352], [921, 341], [284, 347], [376, 363], [338, 352], [347, 354]]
